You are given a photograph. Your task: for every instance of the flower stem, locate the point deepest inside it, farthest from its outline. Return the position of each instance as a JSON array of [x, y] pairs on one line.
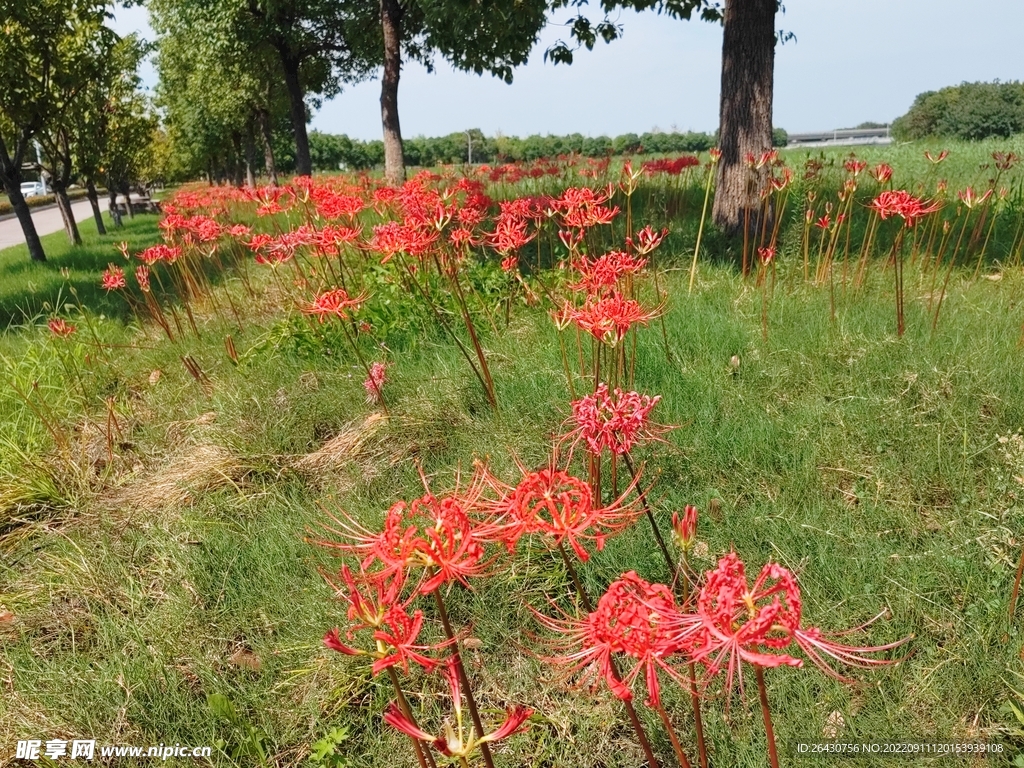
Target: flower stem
[[680, 754], [700, 229], [773, 755], [485, 749], [654, 525], [1016, 584], [403, 704], [584, 597]]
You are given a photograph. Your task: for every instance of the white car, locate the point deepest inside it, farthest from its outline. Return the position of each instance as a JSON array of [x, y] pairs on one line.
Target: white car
[[31, 189]]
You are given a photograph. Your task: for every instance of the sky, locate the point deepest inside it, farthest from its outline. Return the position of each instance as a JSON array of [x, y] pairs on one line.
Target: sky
[[852, 61]]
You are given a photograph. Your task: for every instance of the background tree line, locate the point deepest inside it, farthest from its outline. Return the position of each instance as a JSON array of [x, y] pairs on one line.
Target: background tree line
[[969, 111]]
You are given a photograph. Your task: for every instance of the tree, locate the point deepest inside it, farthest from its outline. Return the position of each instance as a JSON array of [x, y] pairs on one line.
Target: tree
[[968, 111], [478, 37], [48, 54], [748, 63]]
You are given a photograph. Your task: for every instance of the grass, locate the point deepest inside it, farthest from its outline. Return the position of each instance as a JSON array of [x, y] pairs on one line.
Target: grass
[[161, 590]]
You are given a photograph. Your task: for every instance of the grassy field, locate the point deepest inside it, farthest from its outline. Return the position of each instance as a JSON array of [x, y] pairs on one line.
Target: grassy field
[[160, 590]]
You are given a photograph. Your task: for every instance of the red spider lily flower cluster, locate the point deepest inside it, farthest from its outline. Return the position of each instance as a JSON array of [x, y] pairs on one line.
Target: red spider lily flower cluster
[[582, 207], [854, 167], [333, 303], [393, 238], [556, 505], [113, 278], [617, 421], [142, 277], [609, 318], [168, 254], [901, 203], [882, 173], [629, 621], [733, 622], [740, 622], [436, 534], [646, 240], [376, 605], [603, 273], [672, 167], [60, 327], [457, 741], [375, 382]]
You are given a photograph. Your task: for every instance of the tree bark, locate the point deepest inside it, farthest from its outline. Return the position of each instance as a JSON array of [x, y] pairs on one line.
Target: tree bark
[[268, 146], [745, 115], [60, 191], [394, 160], [237, 169], [115, 212], [94, 201], [250, 156], [10, 181], [297, 109], [28, 227]]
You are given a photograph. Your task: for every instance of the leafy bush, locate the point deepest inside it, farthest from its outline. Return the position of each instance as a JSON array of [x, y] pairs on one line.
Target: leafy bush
[[969, 111]]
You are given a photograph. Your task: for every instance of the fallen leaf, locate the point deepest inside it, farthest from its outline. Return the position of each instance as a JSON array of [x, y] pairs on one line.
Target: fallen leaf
[[246, 659], [154, 377]]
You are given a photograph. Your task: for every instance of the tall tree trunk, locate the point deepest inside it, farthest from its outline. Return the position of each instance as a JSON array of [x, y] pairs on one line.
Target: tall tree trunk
[[745, 116], [237, 170], [250, 156], [94, 201], [10, 182], [60, 191], [126, 190], [297, 109], [394, 160], [268, 146], [28, 227], [115, 212]]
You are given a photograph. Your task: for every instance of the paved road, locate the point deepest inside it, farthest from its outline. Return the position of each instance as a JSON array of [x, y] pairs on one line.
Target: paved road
[[47, 220]]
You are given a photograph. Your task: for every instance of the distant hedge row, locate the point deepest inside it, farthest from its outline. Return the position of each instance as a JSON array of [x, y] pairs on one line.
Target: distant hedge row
[[329, 152], [968, 111]]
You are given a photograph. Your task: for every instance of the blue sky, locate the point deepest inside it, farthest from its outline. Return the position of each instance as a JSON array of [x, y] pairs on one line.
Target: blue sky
[[852, 61]]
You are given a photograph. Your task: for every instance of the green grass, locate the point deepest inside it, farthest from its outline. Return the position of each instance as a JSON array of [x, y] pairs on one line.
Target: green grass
[[153, 554], [869, 465], [30, 288]]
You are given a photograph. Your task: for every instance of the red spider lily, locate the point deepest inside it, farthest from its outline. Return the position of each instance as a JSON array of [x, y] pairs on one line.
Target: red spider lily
[[432, 533], [767, 254], [617, 421], [331, 237], [553, 503], [142, 277], [375, 604], [882, 173], [332, 205], [333, 303], [969, 199], [509, 263], [239, 231], [715, 154], [462, 237], [509, 235], [629, 621], [854, 166], [610, 317], [393, 237], [646, 240], [736, 623], [570, 238], [375, 382], [779, 183], [582, 207], [60, 327], [457, 741], [671, 167], [606, 270], [684, 529], [166, 253], [113, 278], [1005, 160], [823, 222], [901, 203], [936, 160]]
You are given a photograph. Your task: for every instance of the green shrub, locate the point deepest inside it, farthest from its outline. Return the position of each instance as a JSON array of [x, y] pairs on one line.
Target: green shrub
[[969, 111]]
